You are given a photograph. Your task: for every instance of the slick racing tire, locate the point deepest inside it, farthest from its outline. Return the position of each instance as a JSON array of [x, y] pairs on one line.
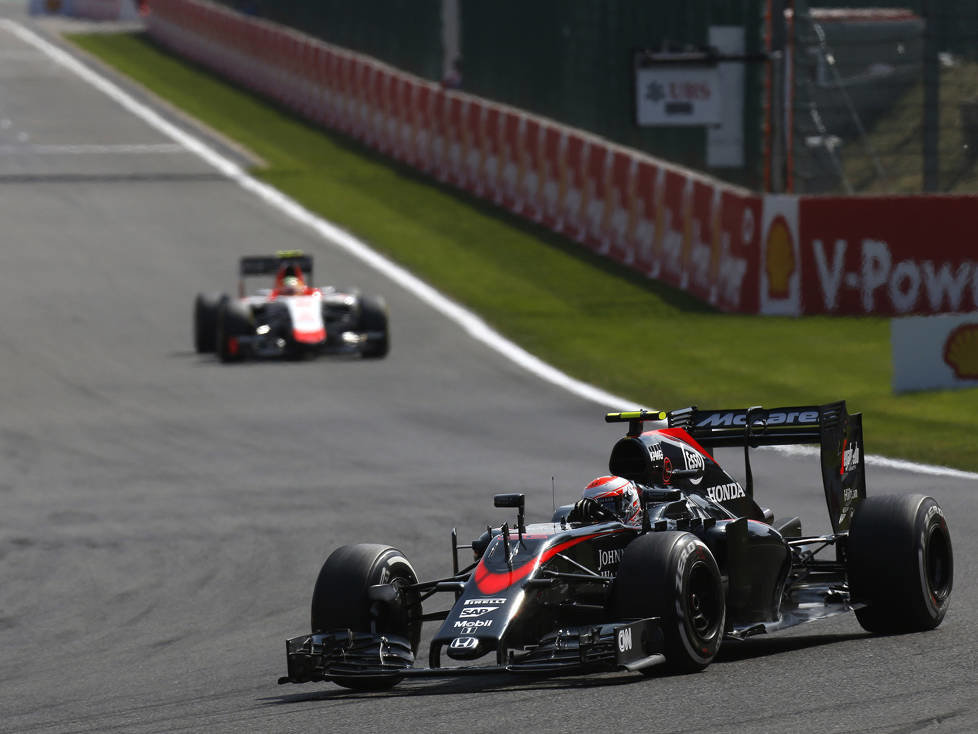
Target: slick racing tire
[[233, 321], [673, 575], [900, 563], [340, 600], [205, 321], [373, 318]]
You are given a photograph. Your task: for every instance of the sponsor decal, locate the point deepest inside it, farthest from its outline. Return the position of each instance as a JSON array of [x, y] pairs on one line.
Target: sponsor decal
[[464, 643], [867, 275], [779, 263], [625, 639], [473, 623], [470, 612], [961, 352], [850, 457], [666, 470], [608, 561], [655, 451], [693, 461], [849, 494], [724, 492], [496, 601], [775, 418], [779, 271]]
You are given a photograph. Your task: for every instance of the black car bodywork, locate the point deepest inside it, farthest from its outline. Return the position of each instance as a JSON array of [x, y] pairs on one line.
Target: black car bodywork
[[588, 592]]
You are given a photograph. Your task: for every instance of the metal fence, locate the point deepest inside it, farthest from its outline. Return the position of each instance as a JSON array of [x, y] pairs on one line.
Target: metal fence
[[880, 99], [403, 33], [570, 60], [833, 96]]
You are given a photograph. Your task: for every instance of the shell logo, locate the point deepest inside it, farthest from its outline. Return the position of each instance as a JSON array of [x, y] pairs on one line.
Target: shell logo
[[961, 351], [780, 258]]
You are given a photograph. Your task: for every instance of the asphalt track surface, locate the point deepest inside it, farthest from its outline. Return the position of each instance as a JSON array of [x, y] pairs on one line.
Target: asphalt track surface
[[163, 517]]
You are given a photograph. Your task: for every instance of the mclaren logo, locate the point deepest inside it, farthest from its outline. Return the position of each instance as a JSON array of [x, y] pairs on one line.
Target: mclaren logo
[[775, 418], [464, 643], [724, 492]]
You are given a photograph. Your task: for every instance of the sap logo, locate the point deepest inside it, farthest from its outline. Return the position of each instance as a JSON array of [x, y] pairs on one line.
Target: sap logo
[[724, 492], [850, 457], [464, 643], [473, 602], [776, 418], [625, 639], [655, 451], [473, 623], [469, 612]]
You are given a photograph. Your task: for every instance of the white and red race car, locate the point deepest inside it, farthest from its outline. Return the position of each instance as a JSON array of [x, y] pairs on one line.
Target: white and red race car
[[292, 319]]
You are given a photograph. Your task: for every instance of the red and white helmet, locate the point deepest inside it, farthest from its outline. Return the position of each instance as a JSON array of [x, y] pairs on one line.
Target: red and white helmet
[[617, 495]]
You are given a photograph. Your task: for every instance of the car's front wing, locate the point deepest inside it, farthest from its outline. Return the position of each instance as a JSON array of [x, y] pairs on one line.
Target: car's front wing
[[347, 654]]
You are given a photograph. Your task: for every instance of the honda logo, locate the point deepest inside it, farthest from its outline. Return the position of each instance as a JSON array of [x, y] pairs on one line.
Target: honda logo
[[464, 643]]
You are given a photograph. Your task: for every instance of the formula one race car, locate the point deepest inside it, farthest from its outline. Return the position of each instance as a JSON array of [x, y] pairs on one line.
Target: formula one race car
[[659, 563], [291, 319]]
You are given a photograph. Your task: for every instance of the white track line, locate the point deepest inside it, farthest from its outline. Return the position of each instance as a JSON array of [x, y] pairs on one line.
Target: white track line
[[475, 326], [91, 149]]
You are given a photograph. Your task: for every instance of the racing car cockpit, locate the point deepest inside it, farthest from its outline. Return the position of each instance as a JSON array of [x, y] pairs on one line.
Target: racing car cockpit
[[609, 498], [289, 282]]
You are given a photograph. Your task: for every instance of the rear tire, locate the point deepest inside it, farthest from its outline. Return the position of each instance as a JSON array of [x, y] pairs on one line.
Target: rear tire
[[339, 600], [205, 321], [673, 575], [900, 563], [373, 317]]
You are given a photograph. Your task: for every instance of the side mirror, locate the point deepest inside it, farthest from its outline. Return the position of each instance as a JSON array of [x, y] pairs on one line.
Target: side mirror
[[509, 500], [513, 499]]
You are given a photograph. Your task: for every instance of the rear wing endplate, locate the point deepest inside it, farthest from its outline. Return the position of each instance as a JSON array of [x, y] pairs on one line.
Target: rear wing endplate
[[838, 434]]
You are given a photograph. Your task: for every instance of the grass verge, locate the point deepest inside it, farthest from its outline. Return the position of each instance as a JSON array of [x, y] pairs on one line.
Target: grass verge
[[593, 319]]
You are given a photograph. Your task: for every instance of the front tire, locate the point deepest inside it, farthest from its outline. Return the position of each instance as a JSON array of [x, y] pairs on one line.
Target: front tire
[[373, 318], [205, 321], [900, 563], [339, 600], [233, 321], [673, 575]]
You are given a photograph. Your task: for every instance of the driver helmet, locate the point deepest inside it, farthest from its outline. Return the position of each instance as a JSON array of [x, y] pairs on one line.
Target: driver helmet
[[617, 495], [291, 286]]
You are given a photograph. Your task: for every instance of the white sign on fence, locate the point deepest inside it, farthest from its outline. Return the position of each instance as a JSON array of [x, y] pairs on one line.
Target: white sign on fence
[[935, 352], [678, 95]]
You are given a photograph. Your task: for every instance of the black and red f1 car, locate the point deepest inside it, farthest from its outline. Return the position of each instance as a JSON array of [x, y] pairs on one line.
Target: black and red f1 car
[[704, 563], [291, 319]]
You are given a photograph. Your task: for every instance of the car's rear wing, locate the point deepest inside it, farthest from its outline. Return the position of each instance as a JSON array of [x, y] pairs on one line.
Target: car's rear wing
[[255, 265], [838, 433]]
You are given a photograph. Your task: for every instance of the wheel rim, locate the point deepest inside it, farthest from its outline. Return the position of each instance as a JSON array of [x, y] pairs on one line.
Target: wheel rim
[[703, 603], [938, 562]]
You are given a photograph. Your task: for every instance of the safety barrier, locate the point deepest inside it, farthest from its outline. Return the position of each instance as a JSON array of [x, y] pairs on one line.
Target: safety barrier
[[737, 250]]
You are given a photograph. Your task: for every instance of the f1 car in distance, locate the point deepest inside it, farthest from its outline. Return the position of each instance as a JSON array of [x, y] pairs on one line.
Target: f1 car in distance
[[291, 319], [660, 562]]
